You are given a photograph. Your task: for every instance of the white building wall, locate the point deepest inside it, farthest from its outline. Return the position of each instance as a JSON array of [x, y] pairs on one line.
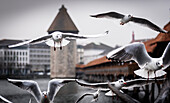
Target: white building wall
[[39, 58]]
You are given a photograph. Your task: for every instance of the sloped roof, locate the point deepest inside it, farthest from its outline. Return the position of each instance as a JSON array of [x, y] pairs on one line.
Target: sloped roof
[[98, 61], [162, 37], [5, 42], [63, 22], [94, 62]]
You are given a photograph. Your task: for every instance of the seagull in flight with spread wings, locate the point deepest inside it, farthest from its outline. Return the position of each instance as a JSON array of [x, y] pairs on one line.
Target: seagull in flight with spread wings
[[126, 18], [57, 39], [32, 87], [95, 96], [149, 67], [120, 84]]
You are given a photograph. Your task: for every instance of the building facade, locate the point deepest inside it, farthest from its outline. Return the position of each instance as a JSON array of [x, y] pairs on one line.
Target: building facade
[[24, 59], [39, 57]]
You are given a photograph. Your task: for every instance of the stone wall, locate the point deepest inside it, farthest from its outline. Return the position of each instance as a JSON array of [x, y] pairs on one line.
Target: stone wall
[[63, 61]]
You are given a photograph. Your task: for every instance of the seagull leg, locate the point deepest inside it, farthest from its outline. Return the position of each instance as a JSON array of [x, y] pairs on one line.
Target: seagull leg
[[155, 75], [60, 46], [54, 47], [148, 77]]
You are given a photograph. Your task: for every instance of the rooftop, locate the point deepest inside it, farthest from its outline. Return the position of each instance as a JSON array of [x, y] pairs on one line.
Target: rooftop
[[63, 22]]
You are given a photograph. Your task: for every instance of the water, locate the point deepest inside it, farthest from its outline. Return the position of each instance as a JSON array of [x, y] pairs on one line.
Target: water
[[68, 94]]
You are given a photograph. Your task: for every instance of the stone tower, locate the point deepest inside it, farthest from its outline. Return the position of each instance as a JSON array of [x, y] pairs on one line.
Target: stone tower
[[63, 61]]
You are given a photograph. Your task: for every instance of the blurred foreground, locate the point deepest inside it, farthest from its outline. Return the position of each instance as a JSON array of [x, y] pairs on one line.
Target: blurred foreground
[[68, 94]]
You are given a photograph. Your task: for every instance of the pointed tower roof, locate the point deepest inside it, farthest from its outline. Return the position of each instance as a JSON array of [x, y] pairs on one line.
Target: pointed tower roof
[[63, 22]]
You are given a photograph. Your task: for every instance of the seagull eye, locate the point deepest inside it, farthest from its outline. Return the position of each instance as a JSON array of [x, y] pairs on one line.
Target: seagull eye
[[157, 63]]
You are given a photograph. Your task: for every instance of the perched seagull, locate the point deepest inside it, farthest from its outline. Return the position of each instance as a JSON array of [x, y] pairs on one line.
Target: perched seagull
[[126, 18], [95, 96], [150, 67], [57, 39], [32, 87], [4, 99], [120, 84]]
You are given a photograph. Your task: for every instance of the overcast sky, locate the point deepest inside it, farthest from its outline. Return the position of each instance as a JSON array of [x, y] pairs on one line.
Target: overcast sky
[[28, 19]]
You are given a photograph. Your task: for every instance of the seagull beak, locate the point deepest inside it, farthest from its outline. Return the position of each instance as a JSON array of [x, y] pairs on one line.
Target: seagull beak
[[162, 65], [125, 83], [45, 96], [121, 23]]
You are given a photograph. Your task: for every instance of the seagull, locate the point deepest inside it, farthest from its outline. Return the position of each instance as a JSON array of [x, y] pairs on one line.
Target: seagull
[[102, 86], [126, 18], [57, 39], [4, 100], [95, 96], [149, 67], [120, 84], [32, 87]]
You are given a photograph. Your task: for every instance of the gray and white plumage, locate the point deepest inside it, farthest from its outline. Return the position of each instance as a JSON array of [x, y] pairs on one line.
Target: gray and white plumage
[[32, 87], [126, 18], [56, 39], [4, 100], [150, 67], [95, 96], [120, 84], [102, 86]]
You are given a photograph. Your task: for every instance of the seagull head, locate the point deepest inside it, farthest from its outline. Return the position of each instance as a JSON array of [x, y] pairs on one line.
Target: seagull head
[[44, 93], [121, 81], [57, 36], [129, 16], [125, 19], [159, 64]]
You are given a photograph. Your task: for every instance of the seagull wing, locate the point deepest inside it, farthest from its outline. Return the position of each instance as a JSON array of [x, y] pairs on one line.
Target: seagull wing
[[76, 36], [135, 51], [83, 96], [139, 82], [4, 100], [32, 41], [166, 56], [54, 86], [147, 23], [28, 85], [109, 15], [92, 85]]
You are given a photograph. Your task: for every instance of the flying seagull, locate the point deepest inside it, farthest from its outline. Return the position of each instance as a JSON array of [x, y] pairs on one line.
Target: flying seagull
[[4, 100], [149, 67], [57, 39], [126, 18], [120, 84], [95, 96], [32, 87]]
